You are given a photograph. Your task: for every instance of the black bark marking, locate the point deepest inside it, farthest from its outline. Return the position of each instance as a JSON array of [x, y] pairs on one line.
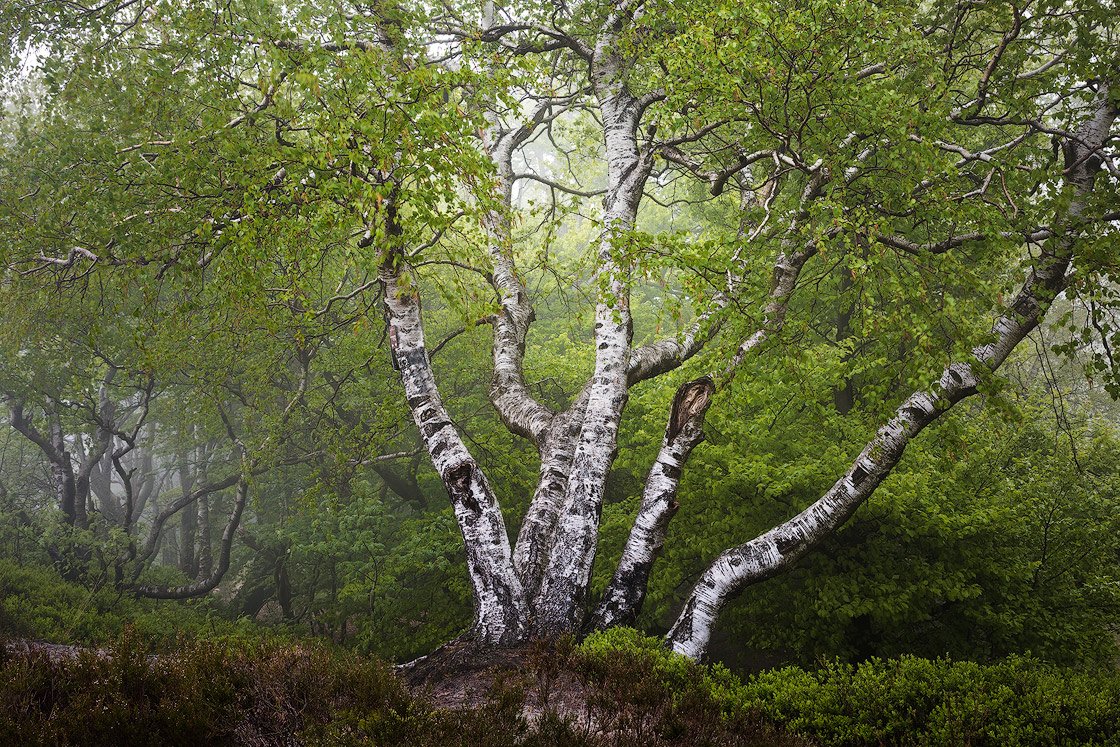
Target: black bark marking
[[432, 428], [459, 484], [1025, 306], [859, 474], [393, 347], [412, 358], [683, 629], [915, 413], [785, 544]]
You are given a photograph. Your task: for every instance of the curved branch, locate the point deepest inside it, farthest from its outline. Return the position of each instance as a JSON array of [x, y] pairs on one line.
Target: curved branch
[[776, 550], [510, 396], [208, 584]]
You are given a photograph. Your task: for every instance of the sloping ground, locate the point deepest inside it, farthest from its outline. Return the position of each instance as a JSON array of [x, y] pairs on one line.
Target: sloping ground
[[617, 689], [555, 688], [461, 675], [272, 695], [464, 675]]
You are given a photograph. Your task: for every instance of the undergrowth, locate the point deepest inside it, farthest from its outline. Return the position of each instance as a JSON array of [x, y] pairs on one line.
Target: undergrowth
[[36, 603], [152, 674]]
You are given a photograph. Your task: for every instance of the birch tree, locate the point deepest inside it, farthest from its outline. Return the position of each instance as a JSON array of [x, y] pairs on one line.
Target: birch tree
[[972, 147]]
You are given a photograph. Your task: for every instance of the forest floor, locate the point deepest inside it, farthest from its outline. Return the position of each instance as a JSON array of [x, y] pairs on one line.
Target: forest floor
[[461, 675], [618, 689], [531, 696]]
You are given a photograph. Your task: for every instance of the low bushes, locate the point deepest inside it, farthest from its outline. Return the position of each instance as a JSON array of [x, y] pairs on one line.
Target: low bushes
[[938, 702], [206, 692], [616, 688], [236, 692], [903, 701], [36, 603]]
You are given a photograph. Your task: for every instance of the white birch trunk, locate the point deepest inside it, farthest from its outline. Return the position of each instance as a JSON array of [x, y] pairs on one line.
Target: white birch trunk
[[622, 601], [564, 586], [538, 528], [774, 551], [500, 615]]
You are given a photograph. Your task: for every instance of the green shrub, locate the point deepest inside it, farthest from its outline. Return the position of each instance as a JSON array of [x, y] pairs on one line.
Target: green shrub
[[902, 701], [630, 691], [206, 692], [36, 603], [642, 692], [912, 701]]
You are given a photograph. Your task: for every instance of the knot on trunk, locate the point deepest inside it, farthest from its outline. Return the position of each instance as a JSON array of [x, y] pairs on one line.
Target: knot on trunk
[[691, 402]]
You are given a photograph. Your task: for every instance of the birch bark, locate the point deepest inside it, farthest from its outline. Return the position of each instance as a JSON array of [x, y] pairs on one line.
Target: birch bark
[[622, 601], [500, 614], [780, 547], [564, 586]]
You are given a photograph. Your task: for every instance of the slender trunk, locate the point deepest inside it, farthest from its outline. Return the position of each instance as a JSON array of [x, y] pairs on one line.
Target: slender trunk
[[500, 613], [205, 561], [188, 529], [101, 486], [623, 598], [564, 586], [174, 507], [62, 474], [625, 595], [168, 545], [149, 484], [776, 550]]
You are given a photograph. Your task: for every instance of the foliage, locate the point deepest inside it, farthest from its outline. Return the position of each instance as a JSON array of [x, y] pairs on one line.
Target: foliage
[[902, 701], [997, 534], [35, 603], [212, 692], [909, 700], [200, 203]]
